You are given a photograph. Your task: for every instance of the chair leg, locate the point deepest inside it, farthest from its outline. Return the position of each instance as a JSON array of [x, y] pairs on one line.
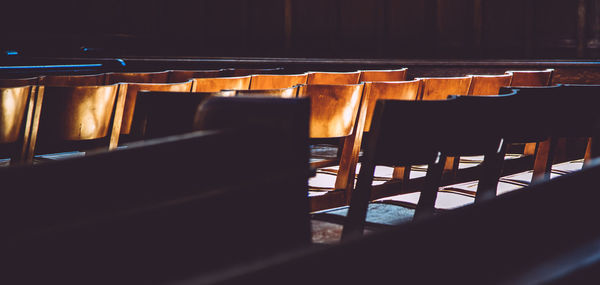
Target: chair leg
[[543, 160], [491, 170], [359, 203], [426, 204]]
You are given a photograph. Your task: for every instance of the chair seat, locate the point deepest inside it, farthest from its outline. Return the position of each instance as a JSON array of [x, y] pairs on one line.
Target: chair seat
[[381, 172], [444, 201], [378, 215], [470, 188]]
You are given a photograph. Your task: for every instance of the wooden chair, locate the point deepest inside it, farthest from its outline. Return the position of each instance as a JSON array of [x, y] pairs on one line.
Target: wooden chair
[[17, 105], [73, 80], [237, 72], [78, 118], [137, 77], [337, 112], [531, 77], [290, 92], [488, 84], [271, 81], [221, 83], [333, 77], [160, 114], [438, 88], [176, 76], [425, 142], [383, 75], [18, 82], [150, 205], [132, 90]]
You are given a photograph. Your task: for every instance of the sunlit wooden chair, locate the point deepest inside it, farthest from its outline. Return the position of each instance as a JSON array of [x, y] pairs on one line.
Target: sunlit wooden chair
[[317, 77], [488, 84], [160, 114], [531, 77], [137, 77], [176, 76], [438, 88], [17, 105], [217, 84], [276, 81], [73, 80], [383, 75], [290, 92], [78, 118], [423, 142], [17, 82], [132, 90], [337, 112], [236, 72]]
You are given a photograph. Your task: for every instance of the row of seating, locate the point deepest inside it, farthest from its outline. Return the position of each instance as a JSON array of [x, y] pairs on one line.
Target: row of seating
[[144, 222]]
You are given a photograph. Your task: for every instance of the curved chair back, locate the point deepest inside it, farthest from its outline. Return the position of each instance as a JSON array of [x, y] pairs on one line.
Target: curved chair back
[[329, 78], [73, 80], [16, 119], [17, 82], [382, 75], [137, 77], [132, 92], [488, 84], [281, 93], [438, 88], [176, 76], [217, 84], [276, 81], [531, 77], [237, 72], [78, 118], [406, 90]]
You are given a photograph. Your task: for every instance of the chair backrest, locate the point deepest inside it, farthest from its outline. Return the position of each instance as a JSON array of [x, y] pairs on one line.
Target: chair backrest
[[290, 92], [531, 77], [275, 81], [383, 75], [80, 117], [406, 90], [488, 84], [176, 76], [73, 80], [156, 205], [217, 84], [17, 105], [329, 78], [160, 114], [17, 82], [334, 108], [236, 72], [134, 88], [137, 77], [438, 88]]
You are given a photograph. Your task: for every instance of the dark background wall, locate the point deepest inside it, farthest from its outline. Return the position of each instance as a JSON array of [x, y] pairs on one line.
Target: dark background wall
[[460, 29]]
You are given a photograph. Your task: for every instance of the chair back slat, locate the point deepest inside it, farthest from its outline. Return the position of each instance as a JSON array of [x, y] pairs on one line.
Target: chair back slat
[[176, 76], [408, 90], [217, 84], [274, 81], [329, 78], [73, 80], [488, 84], [137, 77], [531, 77], [382, 75], [439, 88]]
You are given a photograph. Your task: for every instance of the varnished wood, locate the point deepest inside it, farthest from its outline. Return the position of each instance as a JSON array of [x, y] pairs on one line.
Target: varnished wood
[[134, 88], [16, 120], [137, 77], [237, 72], [333, 77], [16, 82], [220, 83], [73, 118], [73, 80], [271, 81], [383, 75], [290, 92], [407, 90], [488, 84], [176, 76], [439, 88], [531, 77]]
